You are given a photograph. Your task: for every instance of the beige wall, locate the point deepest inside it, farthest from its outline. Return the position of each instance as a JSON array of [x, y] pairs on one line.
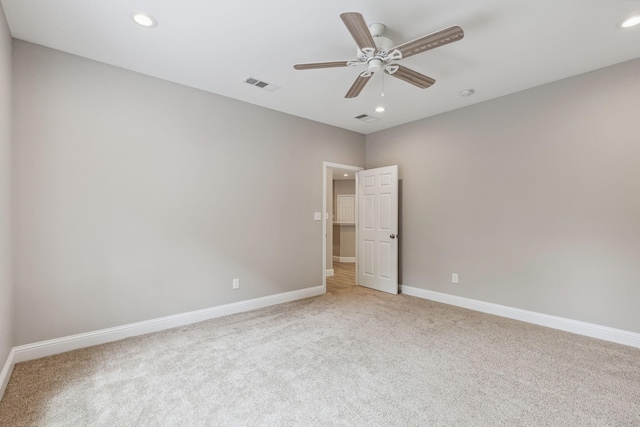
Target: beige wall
[[346, 244], [6, 306], [137, 198], [533, 198]]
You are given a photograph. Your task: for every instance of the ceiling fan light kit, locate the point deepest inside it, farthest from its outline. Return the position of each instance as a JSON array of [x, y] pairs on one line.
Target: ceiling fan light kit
[[379, 54]]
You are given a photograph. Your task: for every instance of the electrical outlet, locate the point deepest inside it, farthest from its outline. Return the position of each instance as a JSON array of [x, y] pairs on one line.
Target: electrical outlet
[[236, 283], [454, 278]]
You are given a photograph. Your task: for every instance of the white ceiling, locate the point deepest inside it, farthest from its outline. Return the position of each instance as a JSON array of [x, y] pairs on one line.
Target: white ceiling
[[213, 45], [343, 174]]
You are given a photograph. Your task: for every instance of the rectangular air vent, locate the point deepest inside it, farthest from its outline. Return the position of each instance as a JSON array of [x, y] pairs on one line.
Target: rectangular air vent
[[367, 118], [262, 85]]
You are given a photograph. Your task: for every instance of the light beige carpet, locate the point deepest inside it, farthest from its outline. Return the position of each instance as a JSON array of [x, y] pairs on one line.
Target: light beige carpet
[[353, 357]]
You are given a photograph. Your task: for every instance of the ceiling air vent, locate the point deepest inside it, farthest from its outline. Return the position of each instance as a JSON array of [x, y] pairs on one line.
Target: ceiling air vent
[[262, 85], [367, 118]]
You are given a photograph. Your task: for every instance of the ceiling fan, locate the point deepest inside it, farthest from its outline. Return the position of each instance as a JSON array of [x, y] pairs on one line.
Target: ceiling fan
[[378, 53]]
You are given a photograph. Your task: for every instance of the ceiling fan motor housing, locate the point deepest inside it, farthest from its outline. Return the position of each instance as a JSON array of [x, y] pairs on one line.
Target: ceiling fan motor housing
[[383, 44], [376, 61]]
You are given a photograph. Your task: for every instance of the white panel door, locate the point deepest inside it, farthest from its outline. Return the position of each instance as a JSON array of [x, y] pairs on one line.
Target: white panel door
[[378, 229]]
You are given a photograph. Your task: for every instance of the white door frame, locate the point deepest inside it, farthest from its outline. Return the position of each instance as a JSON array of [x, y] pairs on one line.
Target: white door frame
[[325, 166]]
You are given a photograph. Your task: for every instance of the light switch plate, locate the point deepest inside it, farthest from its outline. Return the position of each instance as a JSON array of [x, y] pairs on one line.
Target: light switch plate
[[317, 216]]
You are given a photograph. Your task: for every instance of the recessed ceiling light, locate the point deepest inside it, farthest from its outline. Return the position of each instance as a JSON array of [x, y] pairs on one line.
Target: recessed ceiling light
[[380, 109], [144, 19], [346, 174], [629, 22], [467, 92]]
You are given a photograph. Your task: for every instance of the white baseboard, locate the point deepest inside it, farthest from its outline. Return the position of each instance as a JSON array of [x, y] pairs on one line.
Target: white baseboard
[[60, 345], [619, 336], [6, 372], [330, 272], [344, 259]]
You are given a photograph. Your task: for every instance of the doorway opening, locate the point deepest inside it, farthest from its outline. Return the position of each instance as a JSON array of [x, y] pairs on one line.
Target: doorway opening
[[339, 228], [344, 277]]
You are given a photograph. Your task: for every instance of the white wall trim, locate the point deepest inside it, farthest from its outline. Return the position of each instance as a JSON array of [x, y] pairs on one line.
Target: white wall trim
[[329, 272], [575, 326], [344, 258], [59, 345], [6, 372]]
